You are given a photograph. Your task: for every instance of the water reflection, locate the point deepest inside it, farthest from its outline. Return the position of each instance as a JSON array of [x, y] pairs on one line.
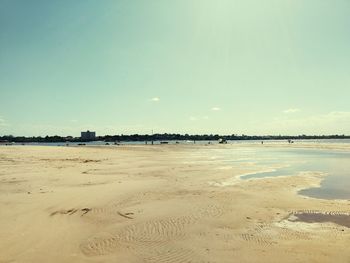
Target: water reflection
[[294, 161]]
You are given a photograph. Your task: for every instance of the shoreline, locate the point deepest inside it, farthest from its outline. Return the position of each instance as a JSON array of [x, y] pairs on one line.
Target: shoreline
[[155, 203]]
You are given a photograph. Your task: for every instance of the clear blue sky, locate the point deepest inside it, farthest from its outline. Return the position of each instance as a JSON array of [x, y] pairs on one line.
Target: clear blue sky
[[184, 66]]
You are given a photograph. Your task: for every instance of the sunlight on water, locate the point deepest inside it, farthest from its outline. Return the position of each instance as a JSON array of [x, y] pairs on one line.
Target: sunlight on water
[[289, 162]]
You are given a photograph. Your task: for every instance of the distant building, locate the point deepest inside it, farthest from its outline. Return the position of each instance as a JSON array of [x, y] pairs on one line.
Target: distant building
[[88, 135]]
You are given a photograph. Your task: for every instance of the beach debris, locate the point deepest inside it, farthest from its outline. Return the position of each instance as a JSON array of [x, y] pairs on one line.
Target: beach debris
[[91, 161], [70, 211], [85, 211], [126, 215], [222, 141]]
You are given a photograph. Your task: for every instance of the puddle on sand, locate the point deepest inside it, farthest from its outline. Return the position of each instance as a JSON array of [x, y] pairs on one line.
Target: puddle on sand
[[294, 161], [342, 219], [274, 162]]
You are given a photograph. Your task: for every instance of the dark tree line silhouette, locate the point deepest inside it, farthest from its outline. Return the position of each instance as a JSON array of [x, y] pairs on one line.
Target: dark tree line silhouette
[[166, 137]]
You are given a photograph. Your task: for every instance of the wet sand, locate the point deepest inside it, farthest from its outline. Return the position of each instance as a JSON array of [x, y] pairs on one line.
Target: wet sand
[[161, 203]]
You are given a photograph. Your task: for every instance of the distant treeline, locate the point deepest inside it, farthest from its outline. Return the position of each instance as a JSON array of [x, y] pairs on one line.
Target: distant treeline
[[166, 137]]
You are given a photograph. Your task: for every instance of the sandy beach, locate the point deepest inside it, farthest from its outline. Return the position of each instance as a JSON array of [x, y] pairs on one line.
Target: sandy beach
[[161, 203]]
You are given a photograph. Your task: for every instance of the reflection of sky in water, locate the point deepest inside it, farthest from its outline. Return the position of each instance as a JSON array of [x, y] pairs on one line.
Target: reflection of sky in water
[[294, 161]]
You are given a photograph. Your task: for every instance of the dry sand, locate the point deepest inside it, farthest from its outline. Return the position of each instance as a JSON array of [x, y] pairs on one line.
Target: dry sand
[[161, 203]]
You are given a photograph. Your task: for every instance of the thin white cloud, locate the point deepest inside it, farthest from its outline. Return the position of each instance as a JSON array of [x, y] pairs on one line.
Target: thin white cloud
[[338, 115], [215, 109], [292, 110], [196, 118], [335, 122], [155, 99], [3, 122]]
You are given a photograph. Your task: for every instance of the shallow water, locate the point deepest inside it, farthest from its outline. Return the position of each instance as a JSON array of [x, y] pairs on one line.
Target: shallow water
[[288, 162], [339, 219]]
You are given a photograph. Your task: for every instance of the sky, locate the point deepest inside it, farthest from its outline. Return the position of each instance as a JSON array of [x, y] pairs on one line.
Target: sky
[[182, 66]]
